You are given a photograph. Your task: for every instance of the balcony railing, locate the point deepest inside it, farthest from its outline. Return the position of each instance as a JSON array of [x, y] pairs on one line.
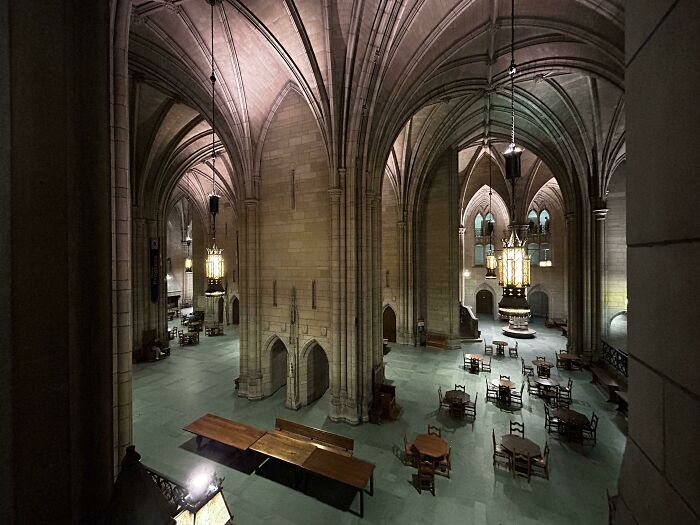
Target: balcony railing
[[171, 489], [615, 358]]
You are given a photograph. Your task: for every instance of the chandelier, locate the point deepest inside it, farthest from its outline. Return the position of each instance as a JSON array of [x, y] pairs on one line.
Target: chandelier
[[491, 263], [514, 263], [214, 264], [188, 259]]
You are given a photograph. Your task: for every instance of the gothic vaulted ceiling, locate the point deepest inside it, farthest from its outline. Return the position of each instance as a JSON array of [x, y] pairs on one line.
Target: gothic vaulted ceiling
[[401, 80]]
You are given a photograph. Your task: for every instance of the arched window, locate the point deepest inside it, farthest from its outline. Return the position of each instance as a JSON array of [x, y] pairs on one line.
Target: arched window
[[479, 258], [490, 224], [532, 221], [544, 221], [533, 250], [478, 222]]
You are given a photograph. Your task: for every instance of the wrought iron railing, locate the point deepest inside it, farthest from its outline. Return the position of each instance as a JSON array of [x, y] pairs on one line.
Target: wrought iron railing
[[171, 489], [614, 357]]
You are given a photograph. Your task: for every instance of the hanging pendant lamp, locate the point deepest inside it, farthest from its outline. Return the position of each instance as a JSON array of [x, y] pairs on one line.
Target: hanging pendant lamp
[[491, 262], [214, 264]]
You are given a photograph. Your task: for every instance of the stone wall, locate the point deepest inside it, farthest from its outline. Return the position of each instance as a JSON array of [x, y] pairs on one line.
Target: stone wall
[[615, 296], [660, 476], [294, 230], [390, 248]]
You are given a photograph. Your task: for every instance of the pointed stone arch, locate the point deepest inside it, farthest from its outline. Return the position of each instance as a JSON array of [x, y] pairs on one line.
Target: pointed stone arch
[[275, 358], [314, 373]]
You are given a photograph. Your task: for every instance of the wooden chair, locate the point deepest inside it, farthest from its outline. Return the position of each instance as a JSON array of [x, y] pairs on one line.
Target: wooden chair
[[504, 395], [443, 402], [589, 434], [460, 388], [522, 466], [543, 371], [505, 377], [527, 369], [516, 397], [540, 466], [486, 365], [559, 362], [409, 456], [474, 365], [500, 454], [426, 477], [443, 465], [513, 350], [532, 386], [467, 362], [434, 431], [517, 428], [488, 349], [470, 408], [551, 422], [491, 392], [564, 398]]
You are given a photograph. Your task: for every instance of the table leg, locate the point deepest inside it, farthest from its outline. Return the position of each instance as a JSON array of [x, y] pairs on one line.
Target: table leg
[[371, 485]]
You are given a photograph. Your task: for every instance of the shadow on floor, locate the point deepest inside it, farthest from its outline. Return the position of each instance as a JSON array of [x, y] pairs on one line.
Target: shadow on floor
[[243, 461], [320, 488]]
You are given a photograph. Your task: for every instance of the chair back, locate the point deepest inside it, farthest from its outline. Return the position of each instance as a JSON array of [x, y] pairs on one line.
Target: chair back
[[475, 362], [522, 387], [440, 393], [426, 469], [594, 421], [493, 438], [475, 398], [434, 431], [570, 384], [460, 387], [541, 357], [505, 377], [546, 412], [545, 456], [517, 428]]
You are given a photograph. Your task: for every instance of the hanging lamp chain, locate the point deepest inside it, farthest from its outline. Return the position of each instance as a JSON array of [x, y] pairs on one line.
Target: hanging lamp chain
[[511, 71]]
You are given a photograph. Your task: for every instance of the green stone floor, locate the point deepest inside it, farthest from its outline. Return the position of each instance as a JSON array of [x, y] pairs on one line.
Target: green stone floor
[[199, 379]]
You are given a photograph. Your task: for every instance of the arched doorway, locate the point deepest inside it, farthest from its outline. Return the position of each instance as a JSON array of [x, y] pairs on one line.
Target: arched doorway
[[539, 304], [221, 305], [484, 302], [317, 373], [389, 324], [278, 366], [235, 311]]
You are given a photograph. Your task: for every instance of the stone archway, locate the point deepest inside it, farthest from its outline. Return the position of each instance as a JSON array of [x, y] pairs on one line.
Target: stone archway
[[484, 302], [235, 311], [278, 366], [539, 304], [316, 375], [389, 324]]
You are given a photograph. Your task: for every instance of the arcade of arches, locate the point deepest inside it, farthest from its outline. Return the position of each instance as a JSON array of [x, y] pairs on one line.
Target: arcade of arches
[[359, 159]]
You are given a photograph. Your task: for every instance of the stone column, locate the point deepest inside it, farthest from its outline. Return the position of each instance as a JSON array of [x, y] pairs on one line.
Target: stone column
[[573, 285], [403, 331], [254, 380], [461, 264], [454, 247], [335, 284], [598, 278]]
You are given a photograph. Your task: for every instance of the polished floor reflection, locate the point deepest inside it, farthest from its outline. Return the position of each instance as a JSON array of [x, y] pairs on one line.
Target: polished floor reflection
[[199, 379]]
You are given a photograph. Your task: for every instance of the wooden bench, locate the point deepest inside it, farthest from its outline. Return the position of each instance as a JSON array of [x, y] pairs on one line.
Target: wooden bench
[[342, 444], [605, 378], [436, 340]]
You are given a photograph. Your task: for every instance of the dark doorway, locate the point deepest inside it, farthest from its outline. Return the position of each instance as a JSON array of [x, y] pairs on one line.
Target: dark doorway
[[278, 365], [318, 377], [484, 302], [389, 322], [221, 305], [539, 304], [235, 311]]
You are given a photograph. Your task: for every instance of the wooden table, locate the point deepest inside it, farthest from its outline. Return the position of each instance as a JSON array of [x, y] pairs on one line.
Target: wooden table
[[569, 359], [190, 338], [284, 447], [505, 383], [546, 382], [468, 361], [543, 367], [573, 421], [500, 347], [231, 433], [431, 446], [456, 396], [521, 446]]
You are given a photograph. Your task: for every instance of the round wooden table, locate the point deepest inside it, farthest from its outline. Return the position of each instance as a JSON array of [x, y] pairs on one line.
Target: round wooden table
[[571, 417], [505, 383], [469, 357], [546, 382], [456, 396], [500, 346], [431, 446], [521, 446], [569, 359]]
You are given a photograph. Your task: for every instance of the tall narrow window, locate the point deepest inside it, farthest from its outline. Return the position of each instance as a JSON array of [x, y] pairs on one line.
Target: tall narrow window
[[292, 192], [479, 259], [387, 278], [274, 293], [478, 223], [313, 294]]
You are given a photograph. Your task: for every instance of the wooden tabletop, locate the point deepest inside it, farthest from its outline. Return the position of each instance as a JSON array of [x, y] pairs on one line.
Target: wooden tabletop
[[500, 343], [456, 396], [232, 433], [348, 470], [431, 445], [282, 446], [571, 417], [546, 381], [473, 356], [569, 356], [522, 446], [540, 362], [507, 383]]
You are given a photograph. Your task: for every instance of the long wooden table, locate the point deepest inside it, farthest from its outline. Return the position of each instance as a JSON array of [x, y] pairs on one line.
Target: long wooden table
[[311, 456]]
